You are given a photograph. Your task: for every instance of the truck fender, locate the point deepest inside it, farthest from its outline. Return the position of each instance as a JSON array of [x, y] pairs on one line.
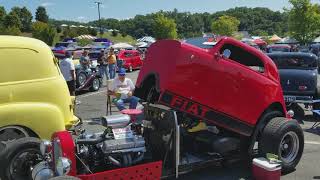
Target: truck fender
[[267, 115], [43, 119]]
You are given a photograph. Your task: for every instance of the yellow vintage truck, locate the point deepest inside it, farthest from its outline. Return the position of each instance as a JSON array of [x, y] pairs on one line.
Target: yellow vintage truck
[[34, 97]]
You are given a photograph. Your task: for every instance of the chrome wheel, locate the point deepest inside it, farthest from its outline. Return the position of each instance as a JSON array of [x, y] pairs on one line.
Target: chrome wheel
[[82, 78], [96, 84], [289, 147], [12, 133], [130, 69]]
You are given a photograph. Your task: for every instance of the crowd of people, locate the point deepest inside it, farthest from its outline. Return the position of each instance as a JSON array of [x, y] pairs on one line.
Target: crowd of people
[[122, 87]]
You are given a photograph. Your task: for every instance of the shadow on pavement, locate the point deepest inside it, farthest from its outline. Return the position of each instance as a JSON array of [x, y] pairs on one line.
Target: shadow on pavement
[[238, 171]]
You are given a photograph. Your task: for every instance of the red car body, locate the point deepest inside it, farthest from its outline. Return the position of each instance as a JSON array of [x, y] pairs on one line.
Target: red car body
[[131, 59], [230, 93]]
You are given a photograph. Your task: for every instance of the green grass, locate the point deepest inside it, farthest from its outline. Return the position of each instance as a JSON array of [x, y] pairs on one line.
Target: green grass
[[119, 38]]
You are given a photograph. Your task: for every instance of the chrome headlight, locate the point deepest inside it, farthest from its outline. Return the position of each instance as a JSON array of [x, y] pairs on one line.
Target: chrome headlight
[[290, 113], [63, 166], [45, 147]]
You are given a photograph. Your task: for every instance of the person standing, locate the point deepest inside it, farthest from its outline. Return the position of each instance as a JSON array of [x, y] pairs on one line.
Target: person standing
[[112, 60], [68, 72], [123, 89], [85, 60], [103, 65]]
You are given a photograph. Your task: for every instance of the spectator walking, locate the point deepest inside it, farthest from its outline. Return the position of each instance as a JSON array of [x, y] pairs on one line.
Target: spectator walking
[[68, 72], [103, 65], [112, 60], [122, 89]]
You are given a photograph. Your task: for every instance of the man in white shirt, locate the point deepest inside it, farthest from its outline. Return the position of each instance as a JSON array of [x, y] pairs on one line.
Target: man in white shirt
[[123, 88], [68, 72]]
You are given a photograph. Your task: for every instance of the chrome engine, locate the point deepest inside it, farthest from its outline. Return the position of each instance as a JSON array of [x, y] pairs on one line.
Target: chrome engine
[[120, 145]]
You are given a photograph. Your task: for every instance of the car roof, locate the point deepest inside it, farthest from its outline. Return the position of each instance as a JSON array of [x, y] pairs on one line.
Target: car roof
[[23, 42], [292, 54]]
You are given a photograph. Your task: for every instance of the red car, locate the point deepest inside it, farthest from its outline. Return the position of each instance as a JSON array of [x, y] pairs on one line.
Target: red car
[[131, 59], [232, 85], [221, 105]]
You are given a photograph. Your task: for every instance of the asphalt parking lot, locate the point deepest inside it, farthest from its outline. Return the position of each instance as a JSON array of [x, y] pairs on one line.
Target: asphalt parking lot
[[93, 106]]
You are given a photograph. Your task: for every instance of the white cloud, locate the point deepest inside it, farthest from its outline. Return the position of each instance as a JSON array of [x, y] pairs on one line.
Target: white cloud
[[81, 18], [46, 4]]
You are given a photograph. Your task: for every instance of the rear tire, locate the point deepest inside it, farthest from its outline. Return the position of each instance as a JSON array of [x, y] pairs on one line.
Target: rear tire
[[95, 84], [81, 78], [285, 139], [18, 157]]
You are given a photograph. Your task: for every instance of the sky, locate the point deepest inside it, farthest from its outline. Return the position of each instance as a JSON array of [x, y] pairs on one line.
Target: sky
[[86, 10]]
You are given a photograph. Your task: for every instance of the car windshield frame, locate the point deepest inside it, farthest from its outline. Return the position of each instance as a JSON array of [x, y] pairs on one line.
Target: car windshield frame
[[297, 62]]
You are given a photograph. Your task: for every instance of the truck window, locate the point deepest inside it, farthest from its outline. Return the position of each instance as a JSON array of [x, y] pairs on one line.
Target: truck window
[[243, 57]]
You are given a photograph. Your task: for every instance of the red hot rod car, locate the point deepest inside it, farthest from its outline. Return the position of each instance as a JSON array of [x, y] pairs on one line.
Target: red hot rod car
[[211, 106], [232, 85]]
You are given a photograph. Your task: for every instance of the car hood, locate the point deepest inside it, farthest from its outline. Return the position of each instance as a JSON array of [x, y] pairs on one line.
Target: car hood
[[293, 81]]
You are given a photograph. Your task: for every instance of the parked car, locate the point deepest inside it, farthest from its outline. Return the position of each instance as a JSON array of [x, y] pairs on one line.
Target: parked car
[[232, 85], [86, 79], [278, 48], [131, 59], [33, 91], [315, 49], [216, 104], [89, 79], [62, 47], [299, 74]]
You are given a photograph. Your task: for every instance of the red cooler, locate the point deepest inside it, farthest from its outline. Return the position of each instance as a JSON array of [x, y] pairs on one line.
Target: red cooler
[[262, 169]]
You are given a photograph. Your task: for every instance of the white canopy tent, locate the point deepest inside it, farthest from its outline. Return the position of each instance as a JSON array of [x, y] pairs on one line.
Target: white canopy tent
[[86, 37], [147, 39], [122, 46]]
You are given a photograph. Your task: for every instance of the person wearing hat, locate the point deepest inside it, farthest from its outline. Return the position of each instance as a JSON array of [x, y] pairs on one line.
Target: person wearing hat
[[68, 72], [123, 89], [112, 60]]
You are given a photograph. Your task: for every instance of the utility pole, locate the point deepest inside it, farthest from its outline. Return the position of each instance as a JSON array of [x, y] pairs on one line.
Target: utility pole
[[99, 3]]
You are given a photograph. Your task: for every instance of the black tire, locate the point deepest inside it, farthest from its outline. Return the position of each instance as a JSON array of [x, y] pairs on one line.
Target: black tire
[[279, 131], [95, 84], [65, 178], [81, 78], [20, 154]]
